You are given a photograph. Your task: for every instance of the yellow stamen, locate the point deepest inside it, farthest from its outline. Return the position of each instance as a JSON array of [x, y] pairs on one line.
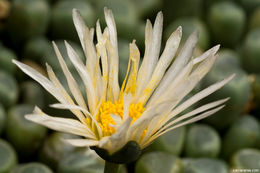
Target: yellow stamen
[[104, 118]]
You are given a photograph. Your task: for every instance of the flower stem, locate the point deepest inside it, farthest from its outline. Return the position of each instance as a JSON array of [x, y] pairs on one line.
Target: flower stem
[[111, 167]]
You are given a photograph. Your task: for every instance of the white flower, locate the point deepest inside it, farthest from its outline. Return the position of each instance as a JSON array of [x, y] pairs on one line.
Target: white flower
[[150, 99]]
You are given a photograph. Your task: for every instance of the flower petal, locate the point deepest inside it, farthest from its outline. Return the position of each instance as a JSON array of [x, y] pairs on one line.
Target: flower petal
[[200, 95], [82, 142], [63, 92], [80, 26], [60, 124], [74, 88], [152, 50], [163, 63], [118, 139], [192, 120], [192, 113], [91, 96], [181, 60], [47, 84]]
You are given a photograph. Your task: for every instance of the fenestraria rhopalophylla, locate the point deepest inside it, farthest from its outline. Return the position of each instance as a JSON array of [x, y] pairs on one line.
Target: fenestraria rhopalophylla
[[150, 100]]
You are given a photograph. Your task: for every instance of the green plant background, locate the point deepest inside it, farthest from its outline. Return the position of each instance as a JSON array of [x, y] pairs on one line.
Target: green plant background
[[228, 141]]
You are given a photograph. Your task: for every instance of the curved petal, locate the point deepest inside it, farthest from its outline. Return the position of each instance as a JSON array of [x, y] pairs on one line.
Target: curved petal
[[82, 142], [60, 124]]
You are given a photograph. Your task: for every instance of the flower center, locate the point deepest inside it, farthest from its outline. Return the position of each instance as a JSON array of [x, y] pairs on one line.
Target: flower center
[[107, 108]]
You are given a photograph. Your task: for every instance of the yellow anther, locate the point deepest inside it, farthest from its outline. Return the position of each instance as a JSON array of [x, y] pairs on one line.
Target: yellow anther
[[104, 118]]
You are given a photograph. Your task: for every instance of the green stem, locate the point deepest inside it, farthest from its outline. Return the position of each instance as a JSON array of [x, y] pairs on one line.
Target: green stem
[[111, 167]]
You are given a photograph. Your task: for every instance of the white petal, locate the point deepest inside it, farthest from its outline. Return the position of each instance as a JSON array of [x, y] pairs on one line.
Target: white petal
[[163, 63], [181, 60], [117, 119], [101, 51], [132, 70], [182, 77], [143, 68], [178, 85], [40, 79], [200, 95], [74, 88], [60, 124], [192, 113], [136, 129], [112, 49], [63, 92], [92, 100], [156, 44], [90, 53], [152, 50], [113, 85], [118, 139], [75, 107], [111, 26], [127, 100], [192, 120], [82, 142], [206, 54], [80, 26]]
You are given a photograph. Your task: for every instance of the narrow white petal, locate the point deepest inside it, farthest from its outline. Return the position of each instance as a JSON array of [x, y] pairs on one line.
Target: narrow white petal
[[80, 26], [113, 85], [75, 107], [132, 70], [200, 95], [152, 50], [143, 68], [63, 92], [206, 54], [60, 124], [183, 84], [178, 86], [111, 26], [117, 119], [127, 100], [68, 106], [92, 100], [118, 139], [113, 60], [155, 121], [82, 142], [192, 120], [163, 63], [47, 84], [181, 60], [136, 129], [74, 88], [192, 113], [156, 44], [101, 50], [90, 52], [182, 77]]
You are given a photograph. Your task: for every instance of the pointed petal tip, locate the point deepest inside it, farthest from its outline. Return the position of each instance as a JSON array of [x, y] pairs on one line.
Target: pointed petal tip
[[179, 29], [220, 107], [160, 14], [15, 61], [195, 34], [28, 116], [226, 99], [215, 49], [54, 44], [98, 23], [231, 76], [66, 43], [75, 11], [107, 11]]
